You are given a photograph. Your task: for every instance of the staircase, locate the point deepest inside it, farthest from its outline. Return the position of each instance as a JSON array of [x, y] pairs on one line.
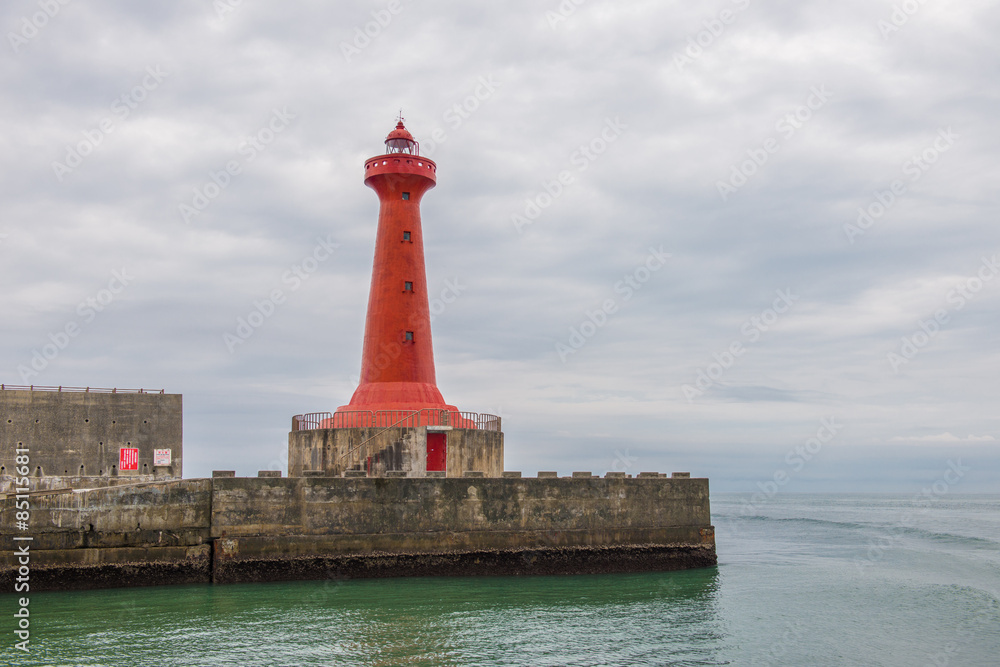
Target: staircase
[[387, 458]]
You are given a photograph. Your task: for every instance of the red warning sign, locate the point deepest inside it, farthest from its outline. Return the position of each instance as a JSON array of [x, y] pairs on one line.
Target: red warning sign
[[128, 459]]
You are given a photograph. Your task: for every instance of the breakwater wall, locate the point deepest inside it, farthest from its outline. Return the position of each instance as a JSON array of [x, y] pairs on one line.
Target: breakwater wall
[[267, 529]]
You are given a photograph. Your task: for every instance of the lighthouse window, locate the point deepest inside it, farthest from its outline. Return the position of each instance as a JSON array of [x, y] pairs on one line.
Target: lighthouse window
[[406, 195], [406, 236], [407, 286], [409, 335]]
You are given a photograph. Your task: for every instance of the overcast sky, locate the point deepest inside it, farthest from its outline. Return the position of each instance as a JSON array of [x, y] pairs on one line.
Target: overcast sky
[[666, 235]]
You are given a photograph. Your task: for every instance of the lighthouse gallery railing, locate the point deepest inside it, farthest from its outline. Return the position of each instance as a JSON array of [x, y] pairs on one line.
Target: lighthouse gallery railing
[[395, 418]]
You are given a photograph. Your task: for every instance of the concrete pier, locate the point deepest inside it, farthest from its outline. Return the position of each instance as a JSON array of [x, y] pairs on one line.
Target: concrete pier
[[232, 529]]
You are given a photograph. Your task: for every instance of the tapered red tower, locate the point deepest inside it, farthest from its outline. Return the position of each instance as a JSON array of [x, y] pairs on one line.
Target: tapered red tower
[[397, 423], [397, 363]]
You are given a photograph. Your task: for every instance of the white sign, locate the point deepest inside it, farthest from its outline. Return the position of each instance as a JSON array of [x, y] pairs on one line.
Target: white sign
[[161, 457]]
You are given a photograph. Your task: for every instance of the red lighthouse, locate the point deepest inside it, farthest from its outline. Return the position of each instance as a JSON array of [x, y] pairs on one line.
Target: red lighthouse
[[397, 363], [397, 422]]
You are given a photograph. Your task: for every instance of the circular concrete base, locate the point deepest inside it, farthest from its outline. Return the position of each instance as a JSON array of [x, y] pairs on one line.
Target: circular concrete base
[[412, 451]]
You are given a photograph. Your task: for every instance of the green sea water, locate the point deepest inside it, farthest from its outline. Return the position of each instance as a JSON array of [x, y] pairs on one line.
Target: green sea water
[[802, 580]]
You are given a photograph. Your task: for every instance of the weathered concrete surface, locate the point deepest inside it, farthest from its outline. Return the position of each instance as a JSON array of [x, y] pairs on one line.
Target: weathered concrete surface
[[144, 534], [115, 568], [77, 435], [565, 560], [326, 506], [308, 527], [263, 529], [393, 449], [63, 483]]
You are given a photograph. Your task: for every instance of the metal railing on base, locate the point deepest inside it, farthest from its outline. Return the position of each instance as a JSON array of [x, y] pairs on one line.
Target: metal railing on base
[[395, 418], [85, 390], [311, 421]]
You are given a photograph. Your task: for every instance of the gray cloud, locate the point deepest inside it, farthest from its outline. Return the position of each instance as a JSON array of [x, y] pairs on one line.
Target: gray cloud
[[552, 88]]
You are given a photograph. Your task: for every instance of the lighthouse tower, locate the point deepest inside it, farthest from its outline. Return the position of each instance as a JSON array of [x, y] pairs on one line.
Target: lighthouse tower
[[397, 422], [397, 361]]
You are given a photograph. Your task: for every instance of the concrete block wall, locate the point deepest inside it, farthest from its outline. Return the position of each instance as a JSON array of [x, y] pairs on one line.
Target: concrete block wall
[[125, 535], [77, 435], [332, 506], [308, 527]]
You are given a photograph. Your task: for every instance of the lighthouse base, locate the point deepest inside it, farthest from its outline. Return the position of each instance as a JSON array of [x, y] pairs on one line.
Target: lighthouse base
[[416, 451]]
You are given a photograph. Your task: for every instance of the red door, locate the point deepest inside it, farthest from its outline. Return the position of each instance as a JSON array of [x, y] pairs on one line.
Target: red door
[[437, 451]]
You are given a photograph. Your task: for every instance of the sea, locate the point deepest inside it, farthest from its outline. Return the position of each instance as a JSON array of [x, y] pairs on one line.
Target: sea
[[802, 580]]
